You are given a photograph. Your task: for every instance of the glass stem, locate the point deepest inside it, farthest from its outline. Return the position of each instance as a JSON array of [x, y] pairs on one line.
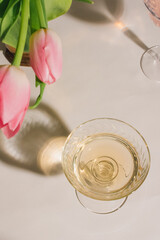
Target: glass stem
[[154, 55], [22, 34]]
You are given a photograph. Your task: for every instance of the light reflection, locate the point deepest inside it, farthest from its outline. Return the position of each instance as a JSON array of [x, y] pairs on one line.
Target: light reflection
[[130, 34], [120, 25], [49, 157]]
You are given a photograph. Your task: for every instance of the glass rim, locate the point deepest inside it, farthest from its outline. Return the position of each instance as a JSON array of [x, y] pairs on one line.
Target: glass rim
[[106, 118], [110, 119]]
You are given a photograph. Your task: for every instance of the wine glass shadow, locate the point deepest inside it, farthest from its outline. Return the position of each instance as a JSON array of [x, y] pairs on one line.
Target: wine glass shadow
[[105, 12], [134, 38], [102, 11], [38, 145]]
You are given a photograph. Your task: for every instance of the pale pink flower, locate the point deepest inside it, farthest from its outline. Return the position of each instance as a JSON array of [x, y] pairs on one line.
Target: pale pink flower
[[154, 8], [14, 99], [46, 55]]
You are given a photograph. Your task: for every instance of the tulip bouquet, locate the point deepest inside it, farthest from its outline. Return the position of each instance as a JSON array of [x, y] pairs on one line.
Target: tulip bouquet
[[24, 26]]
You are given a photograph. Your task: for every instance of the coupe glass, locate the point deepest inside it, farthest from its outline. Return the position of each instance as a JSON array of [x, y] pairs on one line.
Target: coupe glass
[[105, 160], [150, 61]]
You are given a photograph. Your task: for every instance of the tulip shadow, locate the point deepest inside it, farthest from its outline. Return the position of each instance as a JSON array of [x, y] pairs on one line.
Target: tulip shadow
[[102, 11], [39, 127]]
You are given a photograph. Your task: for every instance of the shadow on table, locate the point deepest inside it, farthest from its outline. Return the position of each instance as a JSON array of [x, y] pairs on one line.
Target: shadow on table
[[38, 145], [2, 47], [105, 11], [132, 36], [102, 11]]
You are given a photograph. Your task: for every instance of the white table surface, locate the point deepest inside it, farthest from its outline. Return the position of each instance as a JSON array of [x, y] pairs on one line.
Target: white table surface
[[101, 78]]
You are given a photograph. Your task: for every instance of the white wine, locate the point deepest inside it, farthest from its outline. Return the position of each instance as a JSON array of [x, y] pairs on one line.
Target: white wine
[[105, 164], [105, 159]]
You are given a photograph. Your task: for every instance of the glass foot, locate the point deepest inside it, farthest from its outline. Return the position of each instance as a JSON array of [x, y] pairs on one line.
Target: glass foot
[[150, 63], [98, 206]]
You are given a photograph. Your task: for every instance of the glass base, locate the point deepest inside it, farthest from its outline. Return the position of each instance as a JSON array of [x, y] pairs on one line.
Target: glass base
[[150, 63], [98, 206]]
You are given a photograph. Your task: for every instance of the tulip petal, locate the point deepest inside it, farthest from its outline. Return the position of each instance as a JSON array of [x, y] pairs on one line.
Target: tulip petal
[[3, 70], [8, 132], [46, 55], [37, 55], [13, 127], [18, 119], [1, 110], [1, 124], [53, 53], [15, 94]]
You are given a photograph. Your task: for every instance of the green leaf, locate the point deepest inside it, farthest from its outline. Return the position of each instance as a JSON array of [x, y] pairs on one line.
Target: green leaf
[[39, 98], [86, 1], [55, 8], [34, 20], [3, 6], [34, 15], [10, 29], [10, 16], [11, 36], [10, 25], [45, 23]]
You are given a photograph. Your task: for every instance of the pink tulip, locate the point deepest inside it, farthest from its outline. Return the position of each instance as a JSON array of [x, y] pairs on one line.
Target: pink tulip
[[14, 99], [154, 8], [46, 55]]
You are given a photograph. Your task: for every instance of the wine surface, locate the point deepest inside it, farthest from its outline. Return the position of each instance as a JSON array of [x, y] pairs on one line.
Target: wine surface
[[105, 163]]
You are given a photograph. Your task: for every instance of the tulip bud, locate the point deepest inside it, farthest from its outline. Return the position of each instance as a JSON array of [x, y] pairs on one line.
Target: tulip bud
[[46, 55], [14, 99]]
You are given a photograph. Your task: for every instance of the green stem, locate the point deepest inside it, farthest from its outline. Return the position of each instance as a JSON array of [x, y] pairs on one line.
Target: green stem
[[87, 1], [39, 98], [22, 34], [41, 14]]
